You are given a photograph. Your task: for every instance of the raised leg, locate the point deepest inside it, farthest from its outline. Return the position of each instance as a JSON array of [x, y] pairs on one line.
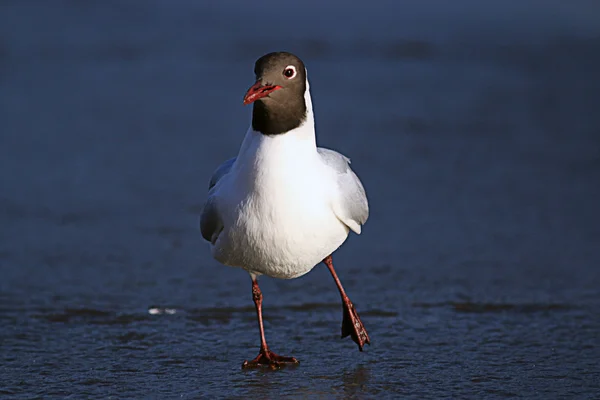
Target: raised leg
[[351, 324], [265, 357]]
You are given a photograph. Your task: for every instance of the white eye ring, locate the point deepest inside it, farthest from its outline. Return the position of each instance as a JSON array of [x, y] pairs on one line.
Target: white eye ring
[[287, 69]]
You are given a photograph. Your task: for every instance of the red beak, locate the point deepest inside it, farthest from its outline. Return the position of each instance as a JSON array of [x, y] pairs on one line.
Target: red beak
[[258, 91]]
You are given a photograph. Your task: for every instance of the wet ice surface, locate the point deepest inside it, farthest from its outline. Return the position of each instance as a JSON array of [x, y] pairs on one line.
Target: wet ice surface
[[475, 131]]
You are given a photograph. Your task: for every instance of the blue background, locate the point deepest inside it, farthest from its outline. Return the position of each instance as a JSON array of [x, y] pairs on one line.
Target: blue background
[[474, 126]]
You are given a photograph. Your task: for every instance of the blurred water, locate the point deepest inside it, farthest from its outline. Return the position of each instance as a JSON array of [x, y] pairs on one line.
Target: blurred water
[[473, 125]]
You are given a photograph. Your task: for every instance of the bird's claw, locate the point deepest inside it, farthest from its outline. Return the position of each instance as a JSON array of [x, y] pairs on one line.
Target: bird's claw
[[266, 358], [352, 326]]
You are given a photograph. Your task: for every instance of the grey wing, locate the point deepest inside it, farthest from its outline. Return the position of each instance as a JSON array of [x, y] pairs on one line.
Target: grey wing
[[352, 207], [221, 171], [211, 224]]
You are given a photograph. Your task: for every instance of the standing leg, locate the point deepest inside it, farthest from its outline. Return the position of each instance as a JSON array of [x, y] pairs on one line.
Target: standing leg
[[265, 356], [351, 324]]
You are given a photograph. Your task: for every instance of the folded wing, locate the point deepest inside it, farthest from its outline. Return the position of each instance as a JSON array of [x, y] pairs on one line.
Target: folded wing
[[211, 224], [351, 205]]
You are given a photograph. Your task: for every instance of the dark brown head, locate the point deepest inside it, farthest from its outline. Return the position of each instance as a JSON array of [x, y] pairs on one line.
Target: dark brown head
[[278, 94]]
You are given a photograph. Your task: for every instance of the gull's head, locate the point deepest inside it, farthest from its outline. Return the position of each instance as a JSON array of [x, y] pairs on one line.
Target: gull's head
[[280, 94], [280, 77]]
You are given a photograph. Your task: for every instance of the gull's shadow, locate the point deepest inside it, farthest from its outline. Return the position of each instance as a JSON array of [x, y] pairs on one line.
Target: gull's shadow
[[354, 382]]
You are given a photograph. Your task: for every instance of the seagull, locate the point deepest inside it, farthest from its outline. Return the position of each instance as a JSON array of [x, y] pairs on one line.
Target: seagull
[[283, 205]]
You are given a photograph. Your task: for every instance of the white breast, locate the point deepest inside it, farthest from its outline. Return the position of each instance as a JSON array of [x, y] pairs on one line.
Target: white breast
[[276, 208]]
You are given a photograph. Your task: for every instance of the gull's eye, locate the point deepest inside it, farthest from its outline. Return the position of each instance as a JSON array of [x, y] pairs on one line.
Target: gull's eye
[[289, 72]]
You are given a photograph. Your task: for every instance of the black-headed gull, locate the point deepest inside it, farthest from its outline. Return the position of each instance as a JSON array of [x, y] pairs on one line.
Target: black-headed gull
[[283, 205]]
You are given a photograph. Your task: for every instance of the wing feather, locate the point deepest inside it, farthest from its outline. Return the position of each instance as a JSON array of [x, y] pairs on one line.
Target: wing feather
[[211, 224], [352, 206]]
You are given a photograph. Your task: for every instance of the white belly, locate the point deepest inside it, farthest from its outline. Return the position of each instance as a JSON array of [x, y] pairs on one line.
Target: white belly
[[280, 226], [282, 242]]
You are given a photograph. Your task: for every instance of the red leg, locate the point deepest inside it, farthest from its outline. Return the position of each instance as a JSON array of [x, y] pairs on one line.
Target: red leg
[[265, 358], [351, 324]]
